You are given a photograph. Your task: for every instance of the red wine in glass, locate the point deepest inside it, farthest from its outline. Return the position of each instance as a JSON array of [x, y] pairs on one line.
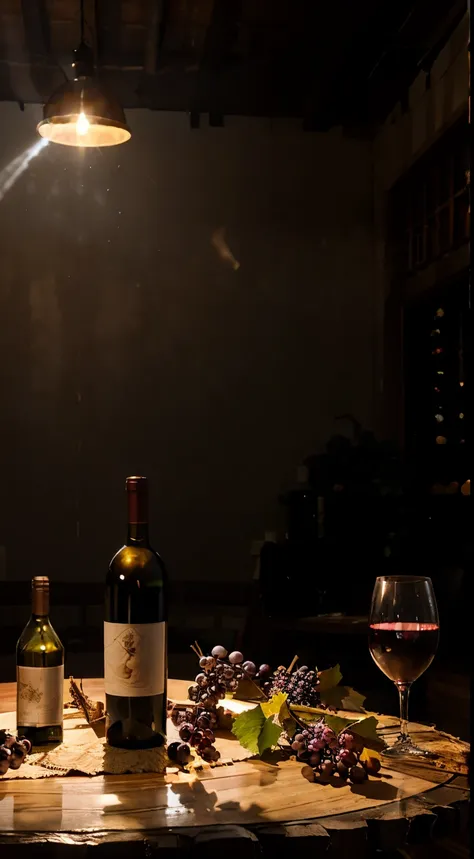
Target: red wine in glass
[[403, 651], [403, 639]]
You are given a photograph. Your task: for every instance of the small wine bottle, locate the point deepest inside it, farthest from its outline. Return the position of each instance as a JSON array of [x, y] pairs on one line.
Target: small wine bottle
[[135, 643], [40, 673]]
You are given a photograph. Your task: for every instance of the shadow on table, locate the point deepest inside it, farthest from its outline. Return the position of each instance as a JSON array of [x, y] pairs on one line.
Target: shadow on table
[[375, 789], [193, 795]]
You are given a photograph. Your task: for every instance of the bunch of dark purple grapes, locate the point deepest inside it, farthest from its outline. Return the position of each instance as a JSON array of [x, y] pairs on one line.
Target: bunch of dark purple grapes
[[301, 686], [326, 754], [196, 732], [13, 752], [220, 673]]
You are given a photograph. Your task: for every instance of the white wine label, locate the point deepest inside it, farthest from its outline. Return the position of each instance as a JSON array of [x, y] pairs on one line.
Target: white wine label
[[134, 659], [39, 696]]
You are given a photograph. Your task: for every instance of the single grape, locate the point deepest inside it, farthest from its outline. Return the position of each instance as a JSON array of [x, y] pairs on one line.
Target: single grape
[[232, 685], [203, 721], [328, 735], [172, 751], [314, 759], [207, 754], [348, 758], [298, 746], [211, 663], [186, 731], [209, 734], [219, 652], [250, 668], [371, 765], [26, 743], [183, 754], [303, 755], [327, 768], [357, 774], [342, 771], [308, 773], [16, 759], [201, 680], [236, 657], [203, 662], [304, 669], [264, 670], [193, 693], [228, 672], [299, 738], [204, 744], [196, 738]]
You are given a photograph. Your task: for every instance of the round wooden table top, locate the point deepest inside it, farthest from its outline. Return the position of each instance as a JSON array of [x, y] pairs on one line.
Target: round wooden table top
[[251, 803]]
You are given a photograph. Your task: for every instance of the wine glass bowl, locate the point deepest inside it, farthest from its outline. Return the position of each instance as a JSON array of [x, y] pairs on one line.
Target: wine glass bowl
[[403, 639]]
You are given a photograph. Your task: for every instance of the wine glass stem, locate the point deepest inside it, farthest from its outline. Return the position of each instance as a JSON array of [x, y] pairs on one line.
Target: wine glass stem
[[404, 692]]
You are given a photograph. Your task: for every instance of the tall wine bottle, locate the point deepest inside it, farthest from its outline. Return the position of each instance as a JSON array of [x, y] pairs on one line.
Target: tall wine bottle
[[135, 639], [40, 673]]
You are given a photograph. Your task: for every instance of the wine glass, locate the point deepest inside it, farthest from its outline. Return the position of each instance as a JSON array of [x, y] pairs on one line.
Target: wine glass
[[403, 638]]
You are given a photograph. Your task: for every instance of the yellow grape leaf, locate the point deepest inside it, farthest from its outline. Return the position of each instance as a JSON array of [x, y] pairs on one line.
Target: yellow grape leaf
[[274, 705], [366, 754]]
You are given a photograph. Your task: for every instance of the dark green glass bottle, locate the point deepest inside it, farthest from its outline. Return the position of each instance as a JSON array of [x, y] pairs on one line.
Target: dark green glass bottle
[[135, 634], [40, 673]]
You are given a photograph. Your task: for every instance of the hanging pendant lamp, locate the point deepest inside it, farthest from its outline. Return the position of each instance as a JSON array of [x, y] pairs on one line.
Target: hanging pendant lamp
[[81, 112]]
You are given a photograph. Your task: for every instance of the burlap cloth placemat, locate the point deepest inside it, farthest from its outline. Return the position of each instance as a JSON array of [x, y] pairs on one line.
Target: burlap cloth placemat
[[85, 753]]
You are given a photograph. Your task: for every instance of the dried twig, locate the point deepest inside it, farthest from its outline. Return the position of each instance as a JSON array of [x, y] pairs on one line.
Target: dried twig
[[93, 710]]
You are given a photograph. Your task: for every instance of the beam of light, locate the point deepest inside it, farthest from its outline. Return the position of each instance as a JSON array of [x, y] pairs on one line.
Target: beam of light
[[82, 124], [15, 168], [218, 241]]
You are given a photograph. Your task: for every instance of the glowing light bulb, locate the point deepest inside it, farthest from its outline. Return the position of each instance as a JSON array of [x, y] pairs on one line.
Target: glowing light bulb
[[82, 124]]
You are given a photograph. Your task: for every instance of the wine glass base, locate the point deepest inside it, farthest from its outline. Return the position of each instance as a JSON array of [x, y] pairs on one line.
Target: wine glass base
[[405, 747]]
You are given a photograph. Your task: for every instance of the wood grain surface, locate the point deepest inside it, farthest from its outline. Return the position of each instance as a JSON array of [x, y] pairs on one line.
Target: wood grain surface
[[255, 793]]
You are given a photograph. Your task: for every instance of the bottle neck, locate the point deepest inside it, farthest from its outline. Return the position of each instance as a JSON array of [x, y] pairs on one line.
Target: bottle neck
[[137, 533], [137, 516], [40, 603]]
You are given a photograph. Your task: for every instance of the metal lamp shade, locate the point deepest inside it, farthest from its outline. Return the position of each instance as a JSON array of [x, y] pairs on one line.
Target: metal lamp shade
[[86, 96]]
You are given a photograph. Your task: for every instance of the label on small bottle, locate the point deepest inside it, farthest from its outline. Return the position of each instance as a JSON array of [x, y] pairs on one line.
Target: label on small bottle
[[39, 696], [134, 659]]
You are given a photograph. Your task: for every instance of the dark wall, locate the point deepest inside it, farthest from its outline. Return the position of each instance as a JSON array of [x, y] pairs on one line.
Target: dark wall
[[130, 344]]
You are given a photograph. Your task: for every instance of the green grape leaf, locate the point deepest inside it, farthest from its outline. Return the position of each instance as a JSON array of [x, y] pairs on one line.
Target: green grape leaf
[[352, 700], [247, 728], [329, 678], [247, 690], [269, 735], [337, 723], [342, 698], [274, 705], [257, 731], [365, 732], [306, 712]]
